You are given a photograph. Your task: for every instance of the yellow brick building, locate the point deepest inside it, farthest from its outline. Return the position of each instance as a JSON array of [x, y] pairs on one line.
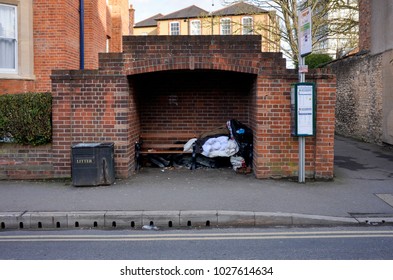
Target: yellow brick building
[[237, 19]]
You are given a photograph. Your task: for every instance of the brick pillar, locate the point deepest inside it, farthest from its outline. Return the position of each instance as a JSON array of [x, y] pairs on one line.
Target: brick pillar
[[324, 142], [61, 123], [125, 126], [365, 25], [275, 149]]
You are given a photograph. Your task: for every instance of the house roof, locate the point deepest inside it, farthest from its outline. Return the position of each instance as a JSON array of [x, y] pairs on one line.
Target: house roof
[[240, 8], [151, 21], [193, 11], [189, 12]]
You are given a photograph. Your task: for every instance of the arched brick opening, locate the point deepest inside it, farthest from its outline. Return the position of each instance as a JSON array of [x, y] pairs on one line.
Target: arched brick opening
[[192, 100]]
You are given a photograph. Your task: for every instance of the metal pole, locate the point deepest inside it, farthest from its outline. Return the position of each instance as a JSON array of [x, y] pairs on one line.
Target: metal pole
[[302, 159], [302, 139]]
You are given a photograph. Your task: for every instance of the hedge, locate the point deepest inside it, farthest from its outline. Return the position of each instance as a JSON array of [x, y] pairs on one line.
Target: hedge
[[26, 118], [316, 60]]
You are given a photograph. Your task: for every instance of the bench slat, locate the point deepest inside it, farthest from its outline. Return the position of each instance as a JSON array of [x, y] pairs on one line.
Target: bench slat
[[162, 146], [168, 142], [144, 152]]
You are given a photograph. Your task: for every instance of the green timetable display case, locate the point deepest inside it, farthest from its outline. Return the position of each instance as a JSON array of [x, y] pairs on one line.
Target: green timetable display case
[[303, 109]]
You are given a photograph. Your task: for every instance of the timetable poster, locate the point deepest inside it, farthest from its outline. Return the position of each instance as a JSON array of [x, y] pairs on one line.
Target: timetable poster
[[305, 118]]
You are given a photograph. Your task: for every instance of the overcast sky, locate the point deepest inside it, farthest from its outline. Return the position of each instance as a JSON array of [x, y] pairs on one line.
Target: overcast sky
[[147, 8]]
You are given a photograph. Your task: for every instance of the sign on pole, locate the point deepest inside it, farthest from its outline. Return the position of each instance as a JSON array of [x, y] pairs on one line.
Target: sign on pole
[[305, 39]]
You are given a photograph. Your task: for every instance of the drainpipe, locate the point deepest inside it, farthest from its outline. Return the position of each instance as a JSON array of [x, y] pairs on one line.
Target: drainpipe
[[81, 34]]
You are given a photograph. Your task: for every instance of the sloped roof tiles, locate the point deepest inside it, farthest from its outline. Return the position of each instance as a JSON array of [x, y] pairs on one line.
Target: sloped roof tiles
[[240, 8], [189, 12], [151, 21]]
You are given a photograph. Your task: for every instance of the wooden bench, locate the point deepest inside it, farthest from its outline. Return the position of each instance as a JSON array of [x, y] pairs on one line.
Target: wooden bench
[[164, 143]]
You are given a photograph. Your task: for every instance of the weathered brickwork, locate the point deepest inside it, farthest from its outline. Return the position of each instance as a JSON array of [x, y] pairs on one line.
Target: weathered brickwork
[[192, 100], [25, 162], [190, 83], [91, 107]]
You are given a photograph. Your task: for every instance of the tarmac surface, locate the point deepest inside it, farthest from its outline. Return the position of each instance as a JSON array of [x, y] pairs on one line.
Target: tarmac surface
[[360, 194]]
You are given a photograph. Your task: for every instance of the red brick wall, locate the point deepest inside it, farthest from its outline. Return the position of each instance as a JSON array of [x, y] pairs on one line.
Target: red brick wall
[[92, 107], [96, 23], [120, 23], [275, 150], [56, 39], [16, 86], [25, 162], [226, 75], [197, 101], [324, 139]]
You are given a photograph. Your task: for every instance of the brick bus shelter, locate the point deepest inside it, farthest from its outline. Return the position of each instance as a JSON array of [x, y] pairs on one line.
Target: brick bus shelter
[[190, 84]]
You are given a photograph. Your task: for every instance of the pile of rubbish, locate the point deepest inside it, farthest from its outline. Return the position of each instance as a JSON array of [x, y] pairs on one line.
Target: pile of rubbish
[[227, 145]]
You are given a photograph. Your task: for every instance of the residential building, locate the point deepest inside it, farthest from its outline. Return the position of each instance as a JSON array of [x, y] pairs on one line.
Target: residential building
[[340, 34], [39, 36], [237, 19]]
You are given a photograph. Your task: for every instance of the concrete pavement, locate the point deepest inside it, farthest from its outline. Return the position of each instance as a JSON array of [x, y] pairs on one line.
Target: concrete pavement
[[361, 193]]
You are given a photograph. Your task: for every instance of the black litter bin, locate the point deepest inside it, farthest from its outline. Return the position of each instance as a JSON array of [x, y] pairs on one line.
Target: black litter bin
[[93, 164]]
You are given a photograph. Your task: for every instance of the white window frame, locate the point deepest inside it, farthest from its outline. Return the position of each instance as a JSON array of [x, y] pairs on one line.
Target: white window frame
[[108, 44], [247, 29], [15, 69], [225, 26], [25, 44], [171, 30], [195, 27]]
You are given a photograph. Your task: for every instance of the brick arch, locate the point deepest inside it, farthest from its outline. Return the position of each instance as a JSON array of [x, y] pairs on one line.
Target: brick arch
[[218, 62]]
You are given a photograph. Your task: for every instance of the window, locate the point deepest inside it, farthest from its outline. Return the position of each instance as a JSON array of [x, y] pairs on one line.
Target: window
[[8, 39], [195, 27], [175, 28], [225, 26], [247, 26], [108, 44]]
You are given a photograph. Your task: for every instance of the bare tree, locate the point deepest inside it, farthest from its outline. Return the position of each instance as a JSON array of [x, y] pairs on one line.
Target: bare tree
[[332, 19]]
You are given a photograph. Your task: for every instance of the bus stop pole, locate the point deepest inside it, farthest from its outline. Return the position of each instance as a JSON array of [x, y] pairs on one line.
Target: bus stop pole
[[302, 139]]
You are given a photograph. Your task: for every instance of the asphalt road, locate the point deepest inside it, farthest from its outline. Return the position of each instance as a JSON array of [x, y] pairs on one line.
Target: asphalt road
[[353, 243]]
